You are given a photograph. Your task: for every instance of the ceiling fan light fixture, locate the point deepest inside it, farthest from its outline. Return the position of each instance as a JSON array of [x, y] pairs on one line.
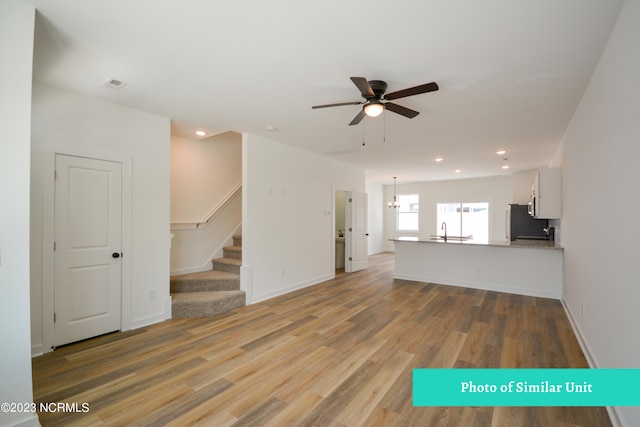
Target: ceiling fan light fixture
[[373, 109], [375, 90]]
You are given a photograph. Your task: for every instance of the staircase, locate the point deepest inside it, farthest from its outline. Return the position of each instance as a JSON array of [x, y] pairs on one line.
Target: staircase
[[210, 292]]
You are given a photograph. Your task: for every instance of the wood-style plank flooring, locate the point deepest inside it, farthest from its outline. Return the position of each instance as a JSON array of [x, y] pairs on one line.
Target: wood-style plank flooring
[[339, 353]]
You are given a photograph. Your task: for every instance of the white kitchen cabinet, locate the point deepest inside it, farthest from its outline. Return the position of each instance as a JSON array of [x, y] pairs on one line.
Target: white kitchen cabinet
[[546, 198]]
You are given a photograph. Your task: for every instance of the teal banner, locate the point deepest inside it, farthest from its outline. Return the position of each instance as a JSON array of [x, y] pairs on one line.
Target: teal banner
[[526, 387]]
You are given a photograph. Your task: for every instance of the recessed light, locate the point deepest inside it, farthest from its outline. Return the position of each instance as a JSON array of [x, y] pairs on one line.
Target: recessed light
[[501, 152], [458, 170], [271, 128], [200, 133], [505, 167], [438, 159]]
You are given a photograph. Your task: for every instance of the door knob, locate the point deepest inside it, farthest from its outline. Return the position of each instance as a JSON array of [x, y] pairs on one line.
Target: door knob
[[115, 255]]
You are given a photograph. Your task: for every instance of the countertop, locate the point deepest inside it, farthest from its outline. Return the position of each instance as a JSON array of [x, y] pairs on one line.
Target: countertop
[[539, 244]]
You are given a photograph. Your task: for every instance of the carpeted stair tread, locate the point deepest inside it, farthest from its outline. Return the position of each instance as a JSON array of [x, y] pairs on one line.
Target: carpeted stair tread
[[212, 292], [204, 296], [230, 265], [208, 274], [234, 252], [205, 304], [205, 281], [229, 261]]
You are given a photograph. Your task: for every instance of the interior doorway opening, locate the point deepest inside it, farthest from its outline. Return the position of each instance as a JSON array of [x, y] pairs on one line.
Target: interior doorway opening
[[350, 230], [340, 229]]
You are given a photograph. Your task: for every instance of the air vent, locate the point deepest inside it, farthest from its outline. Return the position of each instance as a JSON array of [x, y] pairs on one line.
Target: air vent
[[114, 84]]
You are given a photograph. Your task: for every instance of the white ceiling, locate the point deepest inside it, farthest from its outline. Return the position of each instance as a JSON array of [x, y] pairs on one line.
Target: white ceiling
[[511, 73]]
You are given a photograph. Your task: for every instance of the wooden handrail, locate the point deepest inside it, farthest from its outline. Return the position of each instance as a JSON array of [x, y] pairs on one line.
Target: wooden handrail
[[199, 225]]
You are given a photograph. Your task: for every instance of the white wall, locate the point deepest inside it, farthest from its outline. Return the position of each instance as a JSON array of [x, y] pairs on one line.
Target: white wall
[[203, 174], [601, 206], [495, 190], [287, 220], [74, 124], [522, 182], [192, 250], [16, 54]]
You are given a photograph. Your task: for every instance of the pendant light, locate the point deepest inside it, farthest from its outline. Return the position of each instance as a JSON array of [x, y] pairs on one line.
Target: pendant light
[[395, 203]]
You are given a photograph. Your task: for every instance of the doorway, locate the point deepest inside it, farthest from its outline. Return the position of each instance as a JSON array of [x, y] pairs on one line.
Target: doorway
[[339, 229], [350, 230], [87, 248]]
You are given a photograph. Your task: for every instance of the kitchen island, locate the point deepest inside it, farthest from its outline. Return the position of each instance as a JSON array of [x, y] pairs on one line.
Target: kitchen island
[[528, 267]]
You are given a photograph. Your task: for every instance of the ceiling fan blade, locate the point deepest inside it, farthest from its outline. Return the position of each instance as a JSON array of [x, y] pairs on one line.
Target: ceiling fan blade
[[416, 90], [403, 111], [363, 85], [339, 104], [357, 119]]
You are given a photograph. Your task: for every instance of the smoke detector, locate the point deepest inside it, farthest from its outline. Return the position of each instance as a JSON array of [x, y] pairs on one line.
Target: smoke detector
[[114, 84]]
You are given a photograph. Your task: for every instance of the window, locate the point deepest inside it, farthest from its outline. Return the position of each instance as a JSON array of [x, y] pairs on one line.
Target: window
[[465, 219], [408, 211]]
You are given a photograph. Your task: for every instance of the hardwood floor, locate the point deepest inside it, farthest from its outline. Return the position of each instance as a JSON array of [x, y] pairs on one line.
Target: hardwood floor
[[339, 353]]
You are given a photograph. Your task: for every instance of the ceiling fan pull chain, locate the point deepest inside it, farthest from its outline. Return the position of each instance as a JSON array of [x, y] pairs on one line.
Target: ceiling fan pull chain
[[363, 133], [384, 126]]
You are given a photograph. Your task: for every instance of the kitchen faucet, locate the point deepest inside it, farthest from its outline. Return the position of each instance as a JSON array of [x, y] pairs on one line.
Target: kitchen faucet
[[444, 227]]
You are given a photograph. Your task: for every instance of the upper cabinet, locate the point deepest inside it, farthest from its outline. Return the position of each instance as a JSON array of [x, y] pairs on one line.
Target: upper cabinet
[[546, 194]]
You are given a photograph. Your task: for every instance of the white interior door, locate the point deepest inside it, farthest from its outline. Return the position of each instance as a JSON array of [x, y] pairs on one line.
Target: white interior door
[[357, 237], [87, 249]]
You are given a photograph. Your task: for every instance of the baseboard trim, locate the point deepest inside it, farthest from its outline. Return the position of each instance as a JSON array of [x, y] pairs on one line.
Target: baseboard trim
[[505, 289], [149, 320], [279, 292], [613, 413], [32, 420], [167, 307], [246, 282], [578, 334], [36, 350]]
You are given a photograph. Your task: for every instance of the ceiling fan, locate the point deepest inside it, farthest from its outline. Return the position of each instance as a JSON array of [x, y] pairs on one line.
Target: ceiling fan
[[373, 92]]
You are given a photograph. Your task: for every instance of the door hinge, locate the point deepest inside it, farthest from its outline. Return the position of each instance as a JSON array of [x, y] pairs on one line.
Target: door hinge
[[54, 246], [350, 229], [54, 317], [55, 174], [350, 200], [350, 259]]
